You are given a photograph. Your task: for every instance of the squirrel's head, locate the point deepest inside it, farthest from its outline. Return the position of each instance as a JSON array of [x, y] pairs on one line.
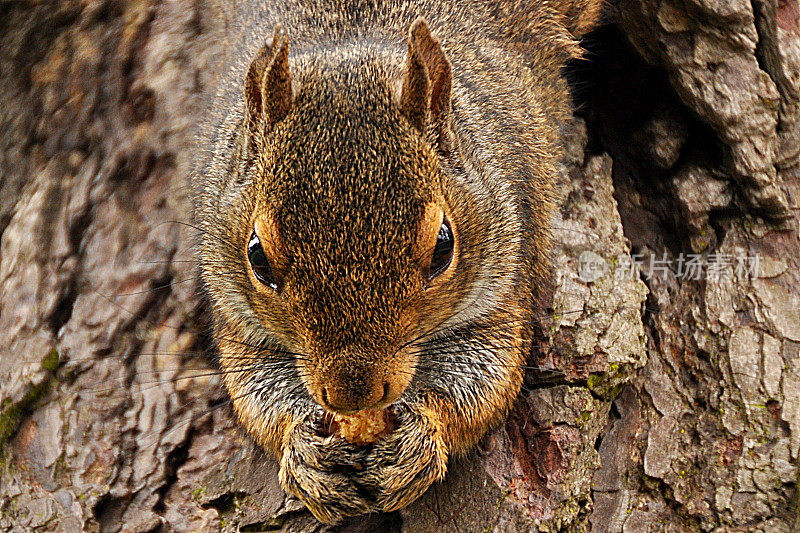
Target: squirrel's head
[[348, 244], [350, 247]]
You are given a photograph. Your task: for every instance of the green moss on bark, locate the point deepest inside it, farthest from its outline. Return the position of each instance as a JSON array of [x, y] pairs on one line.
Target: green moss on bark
[[12, 413]]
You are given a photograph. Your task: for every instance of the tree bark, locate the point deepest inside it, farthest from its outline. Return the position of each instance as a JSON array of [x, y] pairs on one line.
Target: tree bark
[[665, 393]]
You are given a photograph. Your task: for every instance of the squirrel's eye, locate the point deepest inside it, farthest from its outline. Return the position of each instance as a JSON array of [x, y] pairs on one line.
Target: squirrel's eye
[[443, 252], [260, 263]]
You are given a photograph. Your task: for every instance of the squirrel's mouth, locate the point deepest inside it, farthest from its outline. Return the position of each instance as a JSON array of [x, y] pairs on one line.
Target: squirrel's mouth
[[362, 428]]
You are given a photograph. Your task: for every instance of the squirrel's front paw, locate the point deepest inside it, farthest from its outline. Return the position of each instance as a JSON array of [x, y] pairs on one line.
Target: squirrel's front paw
[[406, 462], [337, 479], [324, 473]]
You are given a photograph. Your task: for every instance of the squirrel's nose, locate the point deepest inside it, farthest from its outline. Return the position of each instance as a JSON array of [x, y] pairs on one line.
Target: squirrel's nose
[[345, 399]]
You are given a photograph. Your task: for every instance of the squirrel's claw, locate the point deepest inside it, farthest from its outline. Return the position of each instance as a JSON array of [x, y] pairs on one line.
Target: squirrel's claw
[[408, 461], [336, 479], [323, 472]]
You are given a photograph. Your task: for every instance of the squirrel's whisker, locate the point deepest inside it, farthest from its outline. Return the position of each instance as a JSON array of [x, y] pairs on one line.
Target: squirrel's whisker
[[202, 231]]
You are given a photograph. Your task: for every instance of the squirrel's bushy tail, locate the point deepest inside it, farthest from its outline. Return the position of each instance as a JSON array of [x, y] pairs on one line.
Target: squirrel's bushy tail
[[580, 15], [554, 25]]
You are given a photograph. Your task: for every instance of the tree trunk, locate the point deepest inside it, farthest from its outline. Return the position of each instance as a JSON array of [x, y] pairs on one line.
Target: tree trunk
[[665, 393]]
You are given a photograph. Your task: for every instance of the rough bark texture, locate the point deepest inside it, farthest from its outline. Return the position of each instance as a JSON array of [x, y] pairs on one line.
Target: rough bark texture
[[658, 402]]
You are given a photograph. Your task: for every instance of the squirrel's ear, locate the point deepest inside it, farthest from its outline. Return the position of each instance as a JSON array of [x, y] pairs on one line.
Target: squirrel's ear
[[268, 85], [425, 96]]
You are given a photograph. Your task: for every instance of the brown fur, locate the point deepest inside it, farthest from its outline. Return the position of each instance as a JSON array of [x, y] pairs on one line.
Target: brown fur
[[341, 140]]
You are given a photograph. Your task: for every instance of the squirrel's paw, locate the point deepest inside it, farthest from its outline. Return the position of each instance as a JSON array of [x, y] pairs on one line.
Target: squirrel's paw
[[324, 473], [337, 479], [407, 461]]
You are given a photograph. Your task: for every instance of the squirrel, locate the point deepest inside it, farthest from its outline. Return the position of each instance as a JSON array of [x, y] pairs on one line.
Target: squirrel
[[373, 188]]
